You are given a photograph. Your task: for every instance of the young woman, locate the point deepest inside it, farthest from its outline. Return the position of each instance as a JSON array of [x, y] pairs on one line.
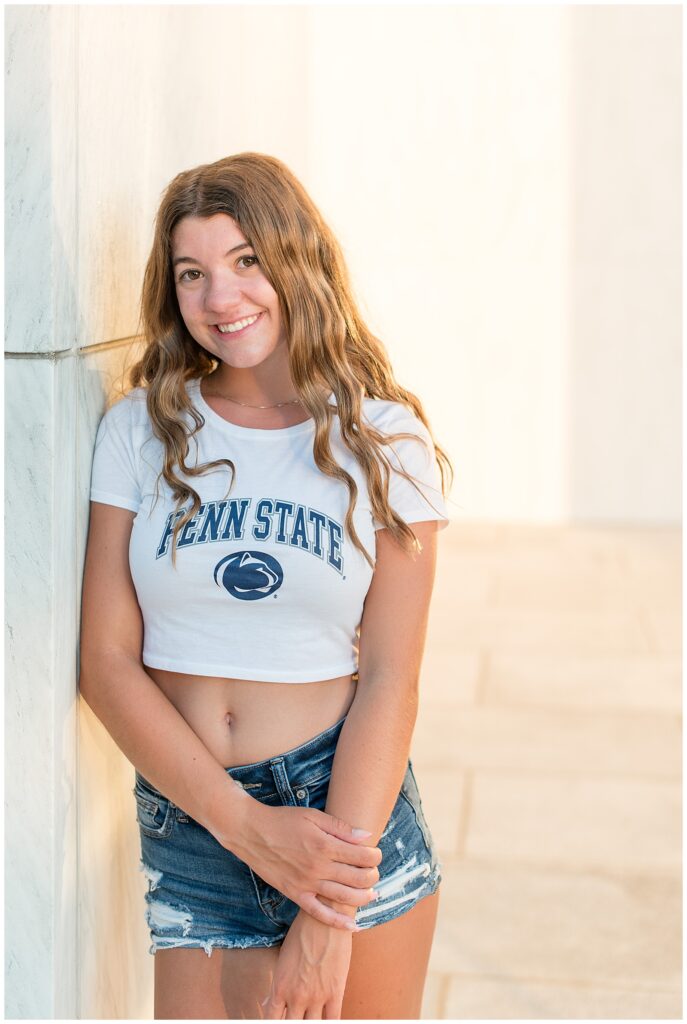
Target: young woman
[[254, 613]]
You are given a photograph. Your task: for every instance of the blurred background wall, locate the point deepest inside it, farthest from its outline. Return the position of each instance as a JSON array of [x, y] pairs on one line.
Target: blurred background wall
[[505, 182]]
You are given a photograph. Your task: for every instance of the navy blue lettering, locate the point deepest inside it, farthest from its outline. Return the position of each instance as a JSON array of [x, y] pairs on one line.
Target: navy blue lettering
[[290, 523], [235, 520], [188, 534], [299, 537], [262, 516], [169, 529], [283, 508], [318, 520], [213, 518], [335, 545]]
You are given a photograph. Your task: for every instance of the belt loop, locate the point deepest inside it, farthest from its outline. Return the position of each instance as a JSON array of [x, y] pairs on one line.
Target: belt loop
[[281, 781]]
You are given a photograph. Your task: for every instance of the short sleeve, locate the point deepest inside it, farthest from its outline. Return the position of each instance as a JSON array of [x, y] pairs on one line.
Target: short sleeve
[[419, 461], [114, 478]]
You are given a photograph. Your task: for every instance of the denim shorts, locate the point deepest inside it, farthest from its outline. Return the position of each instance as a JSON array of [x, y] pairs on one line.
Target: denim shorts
[[201, 894]]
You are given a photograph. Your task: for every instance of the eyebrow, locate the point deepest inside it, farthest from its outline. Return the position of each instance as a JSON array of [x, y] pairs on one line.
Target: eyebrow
[[190, 259]]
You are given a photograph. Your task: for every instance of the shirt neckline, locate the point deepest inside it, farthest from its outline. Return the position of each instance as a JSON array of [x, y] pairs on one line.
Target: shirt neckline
[[251, 433]]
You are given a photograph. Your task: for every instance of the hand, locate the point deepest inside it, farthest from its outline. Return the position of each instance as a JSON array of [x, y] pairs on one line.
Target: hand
[[311, 971], [304, 852]]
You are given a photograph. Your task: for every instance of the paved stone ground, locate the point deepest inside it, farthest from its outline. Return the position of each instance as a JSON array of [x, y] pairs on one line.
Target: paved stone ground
[[548, 754]]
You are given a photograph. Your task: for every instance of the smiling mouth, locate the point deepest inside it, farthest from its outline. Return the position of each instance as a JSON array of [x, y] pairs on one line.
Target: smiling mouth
[[235, 333]]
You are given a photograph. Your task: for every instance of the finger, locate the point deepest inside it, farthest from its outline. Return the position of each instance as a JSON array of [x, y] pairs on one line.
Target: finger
[[293, 1013], [332, 1010], [326, 915], [346, 894], [358, 856], [340, 828], [312, 1014], [354, 878]]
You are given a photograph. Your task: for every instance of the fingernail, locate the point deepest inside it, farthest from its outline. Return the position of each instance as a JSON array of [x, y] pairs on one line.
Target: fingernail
[[360, 832], [351, 925], [375, 894]]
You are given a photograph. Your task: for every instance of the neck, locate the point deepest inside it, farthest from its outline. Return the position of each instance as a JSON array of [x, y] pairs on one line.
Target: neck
[[241, 386]]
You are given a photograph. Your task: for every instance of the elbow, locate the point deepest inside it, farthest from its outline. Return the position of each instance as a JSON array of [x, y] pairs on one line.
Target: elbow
[[88, 657], [94, 666], [393, 690]]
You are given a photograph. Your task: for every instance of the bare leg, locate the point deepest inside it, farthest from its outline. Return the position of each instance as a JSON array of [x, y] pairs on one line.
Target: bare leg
[[389, 966], [385, 981], [190, 985]]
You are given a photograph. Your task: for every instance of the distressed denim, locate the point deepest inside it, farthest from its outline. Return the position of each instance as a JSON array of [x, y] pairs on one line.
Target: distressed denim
[[201, 894]]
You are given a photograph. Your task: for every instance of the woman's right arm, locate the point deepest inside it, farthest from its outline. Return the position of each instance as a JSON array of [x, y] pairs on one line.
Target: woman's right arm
[[324, 857]]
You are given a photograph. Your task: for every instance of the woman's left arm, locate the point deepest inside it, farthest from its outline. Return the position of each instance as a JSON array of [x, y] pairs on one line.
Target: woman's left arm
[[370, 760]]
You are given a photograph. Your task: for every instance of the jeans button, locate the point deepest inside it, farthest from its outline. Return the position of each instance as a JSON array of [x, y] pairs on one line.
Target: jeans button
[[300, 794]]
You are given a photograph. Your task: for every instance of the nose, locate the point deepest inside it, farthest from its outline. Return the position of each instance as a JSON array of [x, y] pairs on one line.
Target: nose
[[223, 293]]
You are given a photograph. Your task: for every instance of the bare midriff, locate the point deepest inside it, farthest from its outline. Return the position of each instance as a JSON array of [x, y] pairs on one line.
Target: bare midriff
[[245, 720]]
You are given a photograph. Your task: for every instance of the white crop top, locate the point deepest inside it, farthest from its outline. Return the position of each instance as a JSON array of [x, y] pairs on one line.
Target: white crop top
[[267, 584]]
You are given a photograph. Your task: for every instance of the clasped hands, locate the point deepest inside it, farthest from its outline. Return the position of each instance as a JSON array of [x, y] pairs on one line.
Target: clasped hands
[[307, 854]]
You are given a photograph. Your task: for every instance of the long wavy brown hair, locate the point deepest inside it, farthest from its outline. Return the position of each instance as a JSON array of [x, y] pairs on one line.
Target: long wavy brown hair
[[331, 350]]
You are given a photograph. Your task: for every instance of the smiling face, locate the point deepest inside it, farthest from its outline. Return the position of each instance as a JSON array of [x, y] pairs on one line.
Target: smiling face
[[220, 284]]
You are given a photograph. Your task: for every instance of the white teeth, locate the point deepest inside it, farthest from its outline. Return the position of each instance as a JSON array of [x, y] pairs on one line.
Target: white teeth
[[230, 328]]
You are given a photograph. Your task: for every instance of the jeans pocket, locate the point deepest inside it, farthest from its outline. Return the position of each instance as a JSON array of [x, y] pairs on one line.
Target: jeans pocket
[[154, 812]]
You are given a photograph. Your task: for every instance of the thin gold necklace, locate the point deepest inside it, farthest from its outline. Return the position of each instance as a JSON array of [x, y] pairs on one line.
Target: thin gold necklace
[[216, 394]]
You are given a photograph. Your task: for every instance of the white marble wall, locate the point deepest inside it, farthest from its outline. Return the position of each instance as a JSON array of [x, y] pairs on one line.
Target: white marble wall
[[442, 145], [41, 574], [34, 819], [104, 106]]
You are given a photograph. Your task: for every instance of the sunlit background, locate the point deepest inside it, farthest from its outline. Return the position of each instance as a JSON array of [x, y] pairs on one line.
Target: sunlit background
[[505, 183]]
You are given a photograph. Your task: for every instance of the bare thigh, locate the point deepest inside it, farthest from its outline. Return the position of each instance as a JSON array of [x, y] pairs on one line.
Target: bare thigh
[[385, 980], [190, 985], [388, 968]]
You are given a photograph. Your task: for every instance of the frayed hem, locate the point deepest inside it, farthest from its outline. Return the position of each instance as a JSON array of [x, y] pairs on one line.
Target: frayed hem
[[403, 906], [211, 944]]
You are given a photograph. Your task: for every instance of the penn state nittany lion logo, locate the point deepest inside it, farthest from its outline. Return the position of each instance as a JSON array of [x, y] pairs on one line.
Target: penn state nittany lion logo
[[249, 575]]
